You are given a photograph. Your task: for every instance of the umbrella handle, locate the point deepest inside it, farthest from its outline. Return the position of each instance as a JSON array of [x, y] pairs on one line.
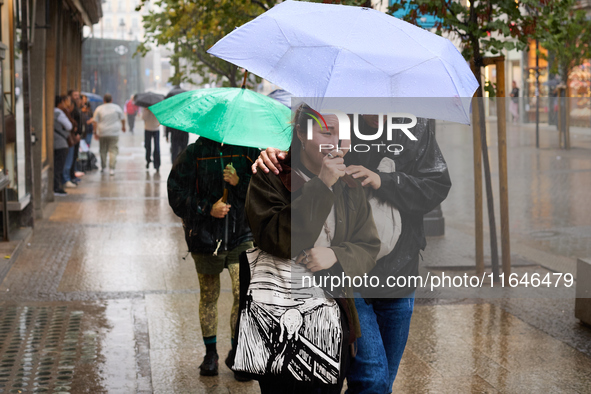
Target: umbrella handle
[[244, 80], [225, 196]]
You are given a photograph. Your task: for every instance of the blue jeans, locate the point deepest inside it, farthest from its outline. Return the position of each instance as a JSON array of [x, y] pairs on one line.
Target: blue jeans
[[68, 165], [88, 139], [384, 330]]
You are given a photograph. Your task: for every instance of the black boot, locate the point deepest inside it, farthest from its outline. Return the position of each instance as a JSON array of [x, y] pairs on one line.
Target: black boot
[[209, 366]]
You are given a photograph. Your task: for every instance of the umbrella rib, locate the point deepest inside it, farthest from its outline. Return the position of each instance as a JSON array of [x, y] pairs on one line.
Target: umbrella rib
[[331, 70], [281, 30], [451, 78], [357, 21], [413, 66]]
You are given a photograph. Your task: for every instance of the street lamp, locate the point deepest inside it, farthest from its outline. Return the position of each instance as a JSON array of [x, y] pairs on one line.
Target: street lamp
[[122, 26]]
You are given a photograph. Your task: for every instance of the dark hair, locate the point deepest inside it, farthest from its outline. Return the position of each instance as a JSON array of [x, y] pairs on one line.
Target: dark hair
[[108, 98], [60, 99], [302, 114]]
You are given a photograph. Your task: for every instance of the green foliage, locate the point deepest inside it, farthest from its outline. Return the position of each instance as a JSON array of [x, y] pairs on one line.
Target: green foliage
[[481, 25], [193, 26], [566, 32], [491, 88]]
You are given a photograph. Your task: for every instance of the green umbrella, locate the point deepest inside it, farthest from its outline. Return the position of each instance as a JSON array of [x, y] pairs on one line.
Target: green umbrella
[[232, 116]]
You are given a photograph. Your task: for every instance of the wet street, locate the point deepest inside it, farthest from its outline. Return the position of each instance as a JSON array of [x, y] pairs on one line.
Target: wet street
[[105, 298]]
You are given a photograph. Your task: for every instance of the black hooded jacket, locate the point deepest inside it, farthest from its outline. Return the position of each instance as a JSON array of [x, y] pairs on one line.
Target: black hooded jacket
[[196, 182], [419, 184]]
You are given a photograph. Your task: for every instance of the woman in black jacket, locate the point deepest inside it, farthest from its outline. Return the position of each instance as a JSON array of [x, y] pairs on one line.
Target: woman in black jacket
[[206, 189]]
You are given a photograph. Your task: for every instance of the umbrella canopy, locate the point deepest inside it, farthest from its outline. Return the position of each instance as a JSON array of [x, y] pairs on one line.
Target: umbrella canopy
[[174, 91], [228, 115], [147, 99], [318, 50], [93, 98], [282, 96]]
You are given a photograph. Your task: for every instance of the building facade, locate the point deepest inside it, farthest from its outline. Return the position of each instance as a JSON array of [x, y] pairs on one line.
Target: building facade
[[108, 66], [121, 21], [43, 58]]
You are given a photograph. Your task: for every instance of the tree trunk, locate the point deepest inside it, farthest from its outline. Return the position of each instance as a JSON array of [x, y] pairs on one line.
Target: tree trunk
[[486, 164], [176, 62]]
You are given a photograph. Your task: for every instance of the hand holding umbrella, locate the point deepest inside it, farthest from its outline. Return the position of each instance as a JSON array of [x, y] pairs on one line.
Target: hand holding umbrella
[[230, 175], [220, 209]]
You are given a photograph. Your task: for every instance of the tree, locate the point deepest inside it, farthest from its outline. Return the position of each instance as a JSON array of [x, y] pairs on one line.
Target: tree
[[566, 33], [193, 26], [482, 26]]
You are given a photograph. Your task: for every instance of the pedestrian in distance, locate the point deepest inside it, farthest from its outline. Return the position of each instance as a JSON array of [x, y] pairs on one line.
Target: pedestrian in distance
[[131, 111], [309, 213], [178, 139], [216, 229], [62, 126], [419, 183], [514, 107], [108, 122], [75, 170], [87, 116], [69, 177], [151, 132]]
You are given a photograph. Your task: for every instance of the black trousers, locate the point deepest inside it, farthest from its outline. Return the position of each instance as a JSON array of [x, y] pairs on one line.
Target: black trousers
[[131, 122], [59, 161], [148, 136]]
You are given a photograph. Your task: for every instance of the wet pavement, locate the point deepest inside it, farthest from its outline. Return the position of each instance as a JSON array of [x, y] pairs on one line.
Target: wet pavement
[[105, 299]]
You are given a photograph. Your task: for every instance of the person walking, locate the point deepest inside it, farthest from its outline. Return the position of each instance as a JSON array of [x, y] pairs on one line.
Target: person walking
[[62, 126], [131, 111], [151, 132], [514, 107], [178, 141], [200, 177], [108, 123], [419, 183]]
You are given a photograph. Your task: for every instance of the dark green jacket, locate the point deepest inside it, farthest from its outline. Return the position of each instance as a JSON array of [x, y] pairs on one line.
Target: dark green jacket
[[287, 214], [196, 182]]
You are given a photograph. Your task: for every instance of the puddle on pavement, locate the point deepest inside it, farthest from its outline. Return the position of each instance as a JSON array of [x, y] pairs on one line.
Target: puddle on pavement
[[49, 348]]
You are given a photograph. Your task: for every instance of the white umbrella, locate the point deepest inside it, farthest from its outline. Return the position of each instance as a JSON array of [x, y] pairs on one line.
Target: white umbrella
[[318, 51]]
